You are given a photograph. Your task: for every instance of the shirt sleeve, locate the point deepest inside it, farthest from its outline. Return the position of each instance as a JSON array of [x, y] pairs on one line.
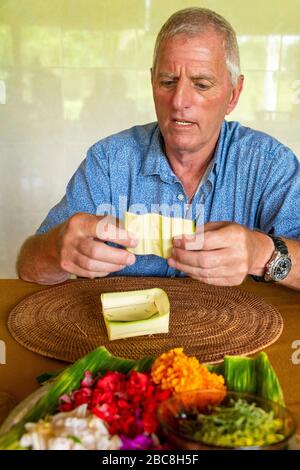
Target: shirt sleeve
[[88, 189], [279, 207]]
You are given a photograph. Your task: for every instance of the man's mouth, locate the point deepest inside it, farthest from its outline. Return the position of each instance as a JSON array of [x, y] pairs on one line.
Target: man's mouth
[[182, 122]]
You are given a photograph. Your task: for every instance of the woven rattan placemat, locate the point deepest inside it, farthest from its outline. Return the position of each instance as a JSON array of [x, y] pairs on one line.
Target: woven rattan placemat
[[65, 322]]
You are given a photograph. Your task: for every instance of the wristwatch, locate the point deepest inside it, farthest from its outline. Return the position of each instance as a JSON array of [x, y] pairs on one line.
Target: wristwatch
[[279, 265]]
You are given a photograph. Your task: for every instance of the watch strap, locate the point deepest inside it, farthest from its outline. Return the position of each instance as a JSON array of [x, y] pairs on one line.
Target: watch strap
[[258, 278], [279, 246]]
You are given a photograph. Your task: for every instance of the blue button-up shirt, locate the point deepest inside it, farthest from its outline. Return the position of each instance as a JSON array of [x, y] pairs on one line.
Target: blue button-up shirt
[[253, 180]]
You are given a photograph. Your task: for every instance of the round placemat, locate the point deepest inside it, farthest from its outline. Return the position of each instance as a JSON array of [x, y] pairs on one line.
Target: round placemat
[[65, 322]]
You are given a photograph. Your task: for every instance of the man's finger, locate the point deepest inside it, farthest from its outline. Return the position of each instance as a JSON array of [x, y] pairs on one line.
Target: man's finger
[[190, 242], [201, 259], [91, 265], [80, 272], [211, 236], [223, 234], [99, 251], [109, 229], [203, 274]]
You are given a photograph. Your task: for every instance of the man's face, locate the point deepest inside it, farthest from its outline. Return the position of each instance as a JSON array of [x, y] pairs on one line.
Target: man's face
[[192, 91]]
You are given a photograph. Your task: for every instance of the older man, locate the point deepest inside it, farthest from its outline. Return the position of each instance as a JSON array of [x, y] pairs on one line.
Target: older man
[[246, 182]]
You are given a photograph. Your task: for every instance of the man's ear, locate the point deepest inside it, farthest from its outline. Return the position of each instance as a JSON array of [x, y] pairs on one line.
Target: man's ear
[[235, 95]]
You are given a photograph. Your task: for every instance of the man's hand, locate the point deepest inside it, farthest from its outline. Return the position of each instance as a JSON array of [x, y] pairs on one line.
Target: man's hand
[[82, 248], [222, 253], [78, 247]]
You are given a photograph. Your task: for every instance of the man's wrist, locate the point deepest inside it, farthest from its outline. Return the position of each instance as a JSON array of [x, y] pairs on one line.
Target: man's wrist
[[279, 265], [262, 252], [50, 258]]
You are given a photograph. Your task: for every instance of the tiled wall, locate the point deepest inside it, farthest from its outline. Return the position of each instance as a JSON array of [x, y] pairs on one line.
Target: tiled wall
[[73, 71]]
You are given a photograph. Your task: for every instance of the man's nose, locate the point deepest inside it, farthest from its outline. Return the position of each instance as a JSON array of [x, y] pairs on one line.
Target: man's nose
[[182, 97]]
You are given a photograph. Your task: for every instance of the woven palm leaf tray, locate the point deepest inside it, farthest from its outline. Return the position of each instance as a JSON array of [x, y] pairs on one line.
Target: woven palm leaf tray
[[65, 322]]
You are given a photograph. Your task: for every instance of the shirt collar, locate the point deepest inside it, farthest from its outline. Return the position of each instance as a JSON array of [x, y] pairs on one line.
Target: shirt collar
[[218, 151], [156, 161]]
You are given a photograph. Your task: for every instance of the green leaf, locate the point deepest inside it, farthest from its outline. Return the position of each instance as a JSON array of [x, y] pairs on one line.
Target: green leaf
[[144, 364], [216, 368], [268, 385], [251, 375], [240, 374]]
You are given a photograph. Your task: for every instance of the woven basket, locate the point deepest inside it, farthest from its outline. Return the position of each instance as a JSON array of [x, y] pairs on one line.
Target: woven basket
[[65, 322]]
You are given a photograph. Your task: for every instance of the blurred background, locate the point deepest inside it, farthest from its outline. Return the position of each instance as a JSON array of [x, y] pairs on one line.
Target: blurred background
[[74, 71]]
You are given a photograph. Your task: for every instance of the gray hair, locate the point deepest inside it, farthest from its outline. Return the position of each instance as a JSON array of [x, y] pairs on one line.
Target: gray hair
[[194, 21]]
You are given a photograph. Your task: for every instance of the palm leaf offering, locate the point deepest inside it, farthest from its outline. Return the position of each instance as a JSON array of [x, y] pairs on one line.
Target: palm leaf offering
[[239, 374], [139, 312], [155, 232]]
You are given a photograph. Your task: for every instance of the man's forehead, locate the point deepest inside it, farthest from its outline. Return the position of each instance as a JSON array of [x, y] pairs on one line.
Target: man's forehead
[[208, 37], [194, 49], [194, 74], [203, 67]]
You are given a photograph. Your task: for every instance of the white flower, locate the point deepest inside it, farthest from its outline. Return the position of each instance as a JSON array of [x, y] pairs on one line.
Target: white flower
[[78, 429]]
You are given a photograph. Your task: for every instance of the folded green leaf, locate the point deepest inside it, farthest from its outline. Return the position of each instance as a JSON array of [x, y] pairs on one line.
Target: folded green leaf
[[240, 374], [268, 385], [250, 375]]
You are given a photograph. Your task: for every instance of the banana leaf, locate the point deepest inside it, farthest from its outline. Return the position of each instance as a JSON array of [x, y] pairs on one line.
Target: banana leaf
[[268, 385], [250, 375]]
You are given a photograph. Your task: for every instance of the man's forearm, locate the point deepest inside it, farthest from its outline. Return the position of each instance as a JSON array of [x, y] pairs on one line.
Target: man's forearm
[[38, 260]]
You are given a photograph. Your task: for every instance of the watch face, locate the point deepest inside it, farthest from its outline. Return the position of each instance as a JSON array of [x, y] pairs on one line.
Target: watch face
[[282, 268]]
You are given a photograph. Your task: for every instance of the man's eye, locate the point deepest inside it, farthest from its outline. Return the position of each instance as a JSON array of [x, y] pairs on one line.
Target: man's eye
[[202, 86], [167, 83]]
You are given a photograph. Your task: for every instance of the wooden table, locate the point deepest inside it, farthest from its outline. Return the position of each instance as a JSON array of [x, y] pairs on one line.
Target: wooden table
[[17, 376]]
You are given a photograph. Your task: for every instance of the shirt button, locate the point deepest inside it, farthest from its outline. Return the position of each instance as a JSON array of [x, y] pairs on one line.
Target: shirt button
[[180, 197]]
